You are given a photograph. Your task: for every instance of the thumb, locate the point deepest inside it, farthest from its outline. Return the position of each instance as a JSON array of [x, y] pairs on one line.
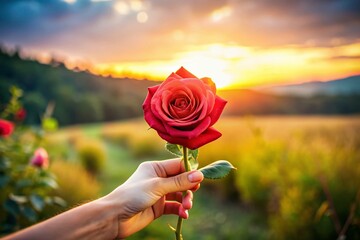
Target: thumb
[[181, 182]]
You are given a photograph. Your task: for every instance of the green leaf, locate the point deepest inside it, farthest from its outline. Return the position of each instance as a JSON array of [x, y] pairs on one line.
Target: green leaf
[[37, 202], [4, 180], [4, 163], [59, 201], [29, 213], [46, 174], [18, 198], [177, 150], [174, 149], [12, 207], [48, 182], [23, 183], [194, 164], [217, 170], [193, 153], [50, 124], [192, 157]]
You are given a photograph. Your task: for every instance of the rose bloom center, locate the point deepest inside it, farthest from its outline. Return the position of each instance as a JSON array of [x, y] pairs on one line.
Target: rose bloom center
[[181, 103]]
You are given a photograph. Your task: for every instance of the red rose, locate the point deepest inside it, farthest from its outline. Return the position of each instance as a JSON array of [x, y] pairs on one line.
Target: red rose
[[20, 115], [40, 158], [183, 109], [6, 128]]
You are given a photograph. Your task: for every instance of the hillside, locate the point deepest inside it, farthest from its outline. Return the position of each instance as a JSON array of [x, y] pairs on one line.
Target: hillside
[[82, 97], [349, 85], [79, 97], [250, 102]]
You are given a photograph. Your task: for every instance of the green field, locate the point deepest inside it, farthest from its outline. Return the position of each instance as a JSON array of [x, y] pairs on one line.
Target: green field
[[296, 175]]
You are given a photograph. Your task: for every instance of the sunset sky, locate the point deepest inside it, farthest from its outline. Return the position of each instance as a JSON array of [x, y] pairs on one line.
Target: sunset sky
[[242, 43]]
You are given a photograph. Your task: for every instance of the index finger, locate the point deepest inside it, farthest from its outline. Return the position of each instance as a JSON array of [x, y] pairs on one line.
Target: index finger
[[168, 168]]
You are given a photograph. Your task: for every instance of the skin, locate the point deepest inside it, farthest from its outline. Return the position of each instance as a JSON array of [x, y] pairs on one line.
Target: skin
[[153, 190]]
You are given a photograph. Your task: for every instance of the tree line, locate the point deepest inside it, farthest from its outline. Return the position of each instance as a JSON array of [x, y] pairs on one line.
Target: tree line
[[82, 97], [78, 96]]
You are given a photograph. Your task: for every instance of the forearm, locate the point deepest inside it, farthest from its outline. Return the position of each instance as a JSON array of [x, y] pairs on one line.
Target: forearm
[[94, 220]]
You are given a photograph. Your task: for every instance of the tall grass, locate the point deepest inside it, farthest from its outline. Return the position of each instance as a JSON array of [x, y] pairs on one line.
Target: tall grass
[[298, 177], [301, 174]]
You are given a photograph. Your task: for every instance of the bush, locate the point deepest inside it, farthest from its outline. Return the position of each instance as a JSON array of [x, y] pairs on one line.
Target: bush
[[133, 135], [147, 148], [76, 185], [26, 183], [118, 138], [92, 155], [293, 176]]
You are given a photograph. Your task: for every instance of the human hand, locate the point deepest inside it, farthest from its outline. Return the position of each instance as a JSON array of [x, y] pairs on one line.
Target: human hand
[[154, 189]]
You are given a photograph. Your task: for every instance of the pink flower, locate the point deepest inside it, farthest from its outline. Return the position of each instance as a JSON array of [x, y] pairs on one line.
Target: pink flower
[[6, 128], [40, 158], [183, 109]]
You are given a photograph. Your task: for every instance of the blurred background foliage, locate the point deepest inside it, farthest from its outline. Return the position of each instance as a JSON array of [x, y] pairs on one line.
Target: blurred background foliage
[[27, 186], [298, 176]]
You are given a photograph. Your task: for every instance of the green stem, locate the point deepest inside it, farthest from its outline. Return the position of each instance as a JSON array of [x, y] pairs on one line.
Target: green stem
[[180, 219]]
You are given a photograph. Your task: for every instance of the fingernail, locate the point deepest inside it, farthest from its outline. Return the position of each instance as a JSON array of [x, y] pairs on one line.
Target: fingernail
[[195, 176], [187, 214]]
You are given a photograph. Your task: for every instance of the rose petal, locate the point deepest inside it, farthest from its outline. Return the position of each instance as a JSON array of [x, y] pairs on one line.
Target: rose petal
[[210, 83], [170, 78], [169, 96], [160, 101], [181, 112], [217, 110], [194, 88], [174, 75], [150, 118], [182, 72], [189, 133], [208, 136], [210, 96]]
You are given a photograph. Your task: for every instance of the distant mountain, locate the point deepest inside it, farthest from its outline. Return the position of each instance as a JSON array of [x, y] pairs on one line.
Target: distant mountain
[[250, 102], [345, 86]]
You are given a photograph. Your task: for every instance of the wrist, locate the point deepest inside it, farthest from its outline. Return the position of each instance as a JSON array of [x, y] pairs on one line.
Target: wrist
[[107, 212], [121, 208]]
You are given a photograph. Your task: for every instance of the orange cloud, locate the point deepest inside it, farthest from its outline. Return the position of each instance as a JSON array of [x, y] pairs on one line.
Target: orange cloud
[[235, 66]]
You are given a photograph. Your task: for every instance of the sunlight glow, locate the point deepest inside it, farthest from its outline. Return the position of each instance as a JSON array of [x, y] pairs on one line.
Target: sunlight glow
[[70, 1], [221, 13], [136, 5], [178, 35], [142, 17], [122, 7], [233, 66]]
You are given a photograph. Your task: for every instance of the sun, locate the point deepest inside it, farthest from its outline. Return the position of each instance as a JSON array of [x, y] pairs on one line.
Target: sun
[[200, 65], [218, 76], [215, 61], [203, 64]]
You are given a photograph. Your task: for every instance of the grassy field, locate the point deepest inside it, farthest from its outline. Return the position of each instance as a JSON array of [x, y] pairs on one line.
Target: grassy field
[[298, 177]]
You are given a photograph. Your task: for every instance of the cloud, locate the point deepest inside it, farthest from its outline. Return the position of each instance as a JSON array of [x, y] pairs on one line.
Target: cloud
[[297, 22], [340, 57], [101, 31]]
